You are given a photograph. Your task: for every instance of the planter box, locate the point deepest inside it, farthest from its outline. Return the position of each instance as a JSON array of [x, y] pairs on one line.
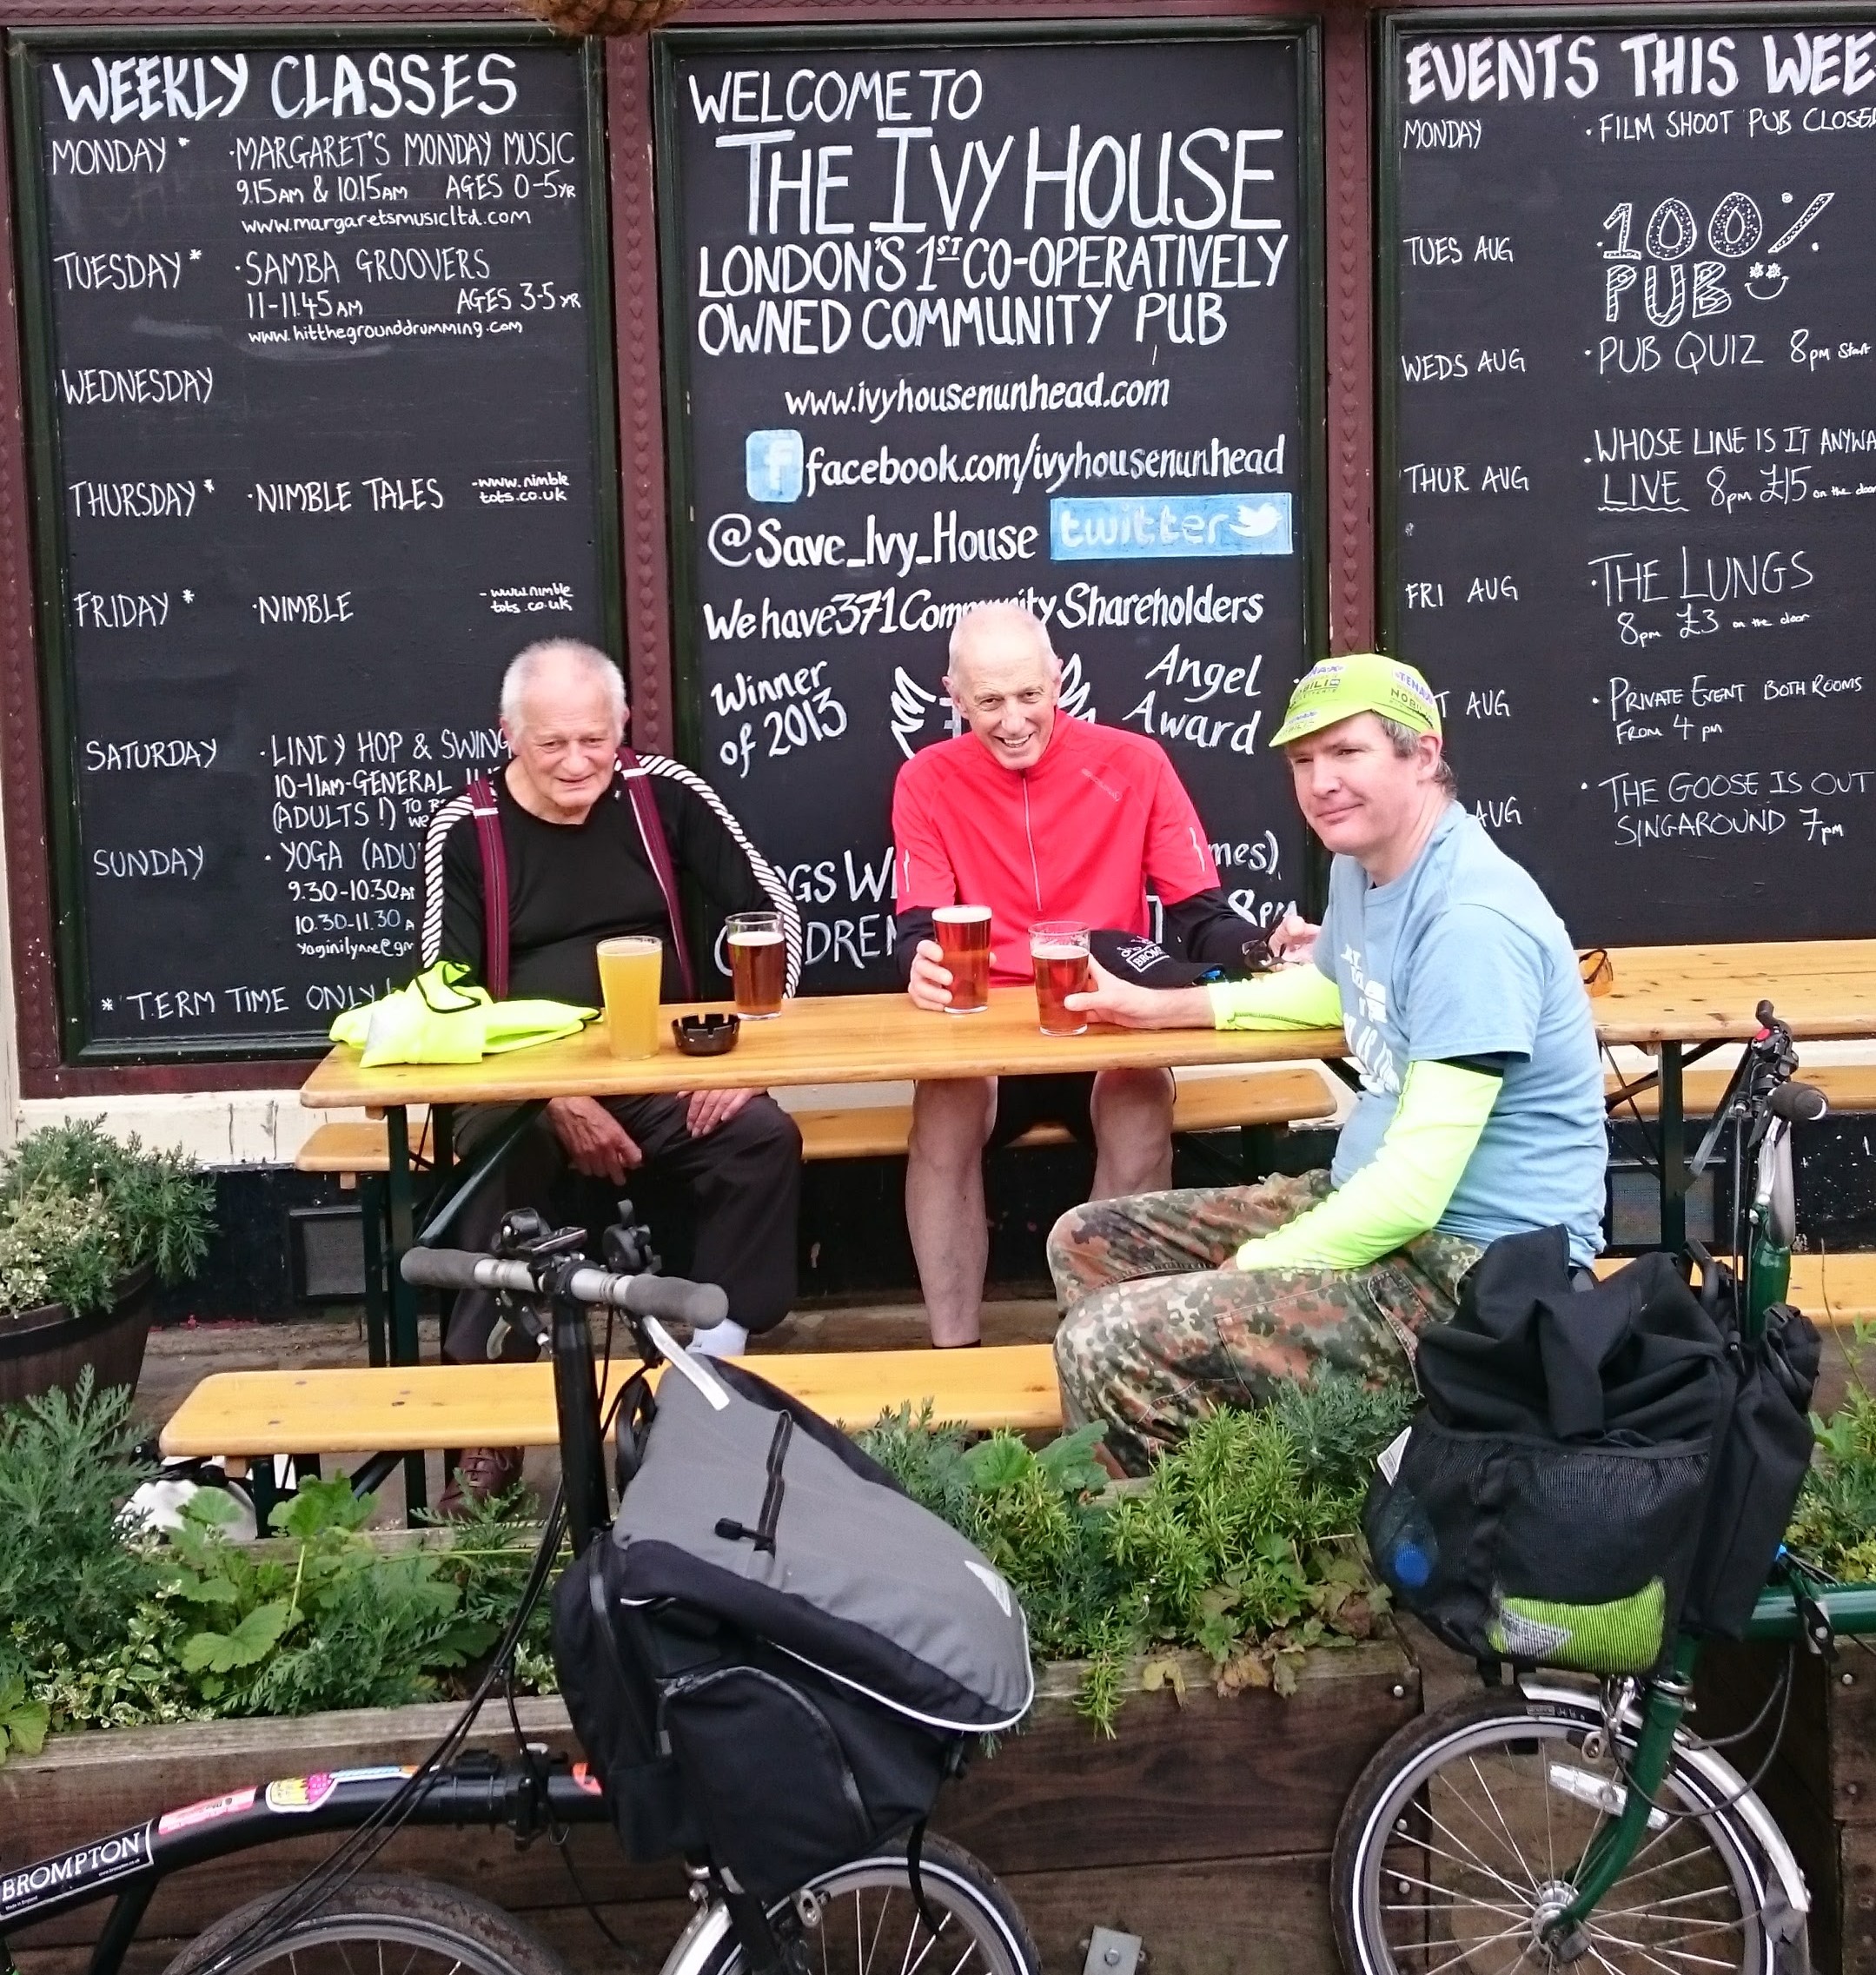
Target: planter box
[[43, 1348], [1204, 1828], [1822, 1787]]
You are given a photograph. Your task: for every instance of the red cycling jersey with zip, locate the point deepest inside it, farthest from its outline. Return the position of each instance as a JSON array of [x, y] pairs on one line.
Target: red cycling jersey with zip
[[1076, 837]]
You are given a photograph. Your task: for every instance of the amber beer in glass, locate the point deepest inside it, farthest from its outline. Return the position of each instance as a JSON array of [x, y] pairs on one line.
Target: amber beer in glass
[[1059, 950], [964, 935], [630, 971], [758, 964]]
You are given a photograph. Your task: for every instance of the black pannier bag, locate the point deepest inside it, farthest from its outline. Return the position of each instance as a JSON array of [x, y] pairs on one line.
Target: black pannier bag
[[1550, 1496], [775, 1657], [1760, 1463]]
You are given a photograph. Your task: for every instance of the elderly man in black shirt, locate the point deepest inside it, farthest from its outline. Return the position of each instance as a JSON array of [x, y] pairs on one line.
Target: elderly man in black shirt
[[583, 858]]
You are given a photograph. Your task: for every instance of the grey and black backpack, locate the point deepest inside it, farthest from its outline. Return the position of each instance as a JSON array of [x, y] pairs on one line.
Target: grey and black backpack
[[775, 1657]]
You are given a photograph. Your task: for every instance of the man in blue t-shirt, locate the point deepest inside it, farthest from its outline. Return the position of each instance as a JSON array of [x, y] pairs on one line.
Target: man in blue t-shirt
[[1480, 1111]]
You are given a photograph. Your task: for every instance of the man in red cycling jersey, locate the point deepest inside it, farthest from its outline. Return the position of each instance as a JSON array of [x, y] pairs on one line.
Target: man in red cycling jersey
[[1039, 816]]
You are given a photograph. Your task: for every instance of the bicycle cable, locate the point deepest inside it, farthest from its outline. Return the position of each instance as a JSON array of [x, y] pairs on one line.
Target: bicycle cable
[[1783, 1689], [346, 1860]]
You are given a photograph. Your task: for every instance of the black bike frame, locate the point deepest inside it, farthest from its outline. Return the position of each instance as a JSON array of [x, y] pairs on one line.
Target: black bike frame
[[527, 1796]]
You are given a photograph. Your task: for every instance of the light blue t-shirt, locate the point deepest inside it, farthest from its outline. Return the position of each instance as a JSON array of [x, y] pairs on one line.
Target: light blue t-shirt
[[1462, 955]]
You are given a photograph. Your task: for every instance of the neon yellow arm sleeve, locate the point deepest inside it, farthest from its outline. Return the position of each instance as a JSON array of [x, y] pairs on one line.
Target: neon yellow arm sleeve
[[1403, 1190], [1288, 998]]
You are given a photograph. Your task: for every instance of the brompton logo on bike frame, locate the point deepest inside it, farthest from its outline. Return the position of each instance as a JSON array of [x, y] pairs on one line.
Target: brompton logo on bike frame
[[90, 1864]]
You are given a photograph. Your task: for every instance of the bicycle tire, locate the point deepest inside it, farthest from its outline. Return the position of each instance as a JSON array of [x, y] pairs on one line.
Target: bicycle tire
[[958, 1887], [1445, 1863], [421, 1918]]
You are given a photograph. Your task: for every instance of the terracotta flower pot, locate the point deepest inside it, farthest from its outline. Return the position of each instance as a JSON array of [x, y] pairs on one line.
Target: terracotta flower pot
[[48, 1347]]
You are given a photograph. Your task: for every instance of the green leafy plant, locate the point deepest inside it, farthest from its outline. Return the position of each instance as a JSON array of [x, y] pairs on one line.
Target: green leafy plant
[[331, 1621], [78, 1208], [1241, 1544], [1834, 1524]]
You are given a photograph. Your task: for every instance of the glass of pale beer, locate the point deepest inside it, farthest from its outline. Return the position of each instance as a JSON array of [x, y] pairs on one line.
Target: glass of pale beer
[[1059, 949], [964, 937], [758, 964], [631, 969]]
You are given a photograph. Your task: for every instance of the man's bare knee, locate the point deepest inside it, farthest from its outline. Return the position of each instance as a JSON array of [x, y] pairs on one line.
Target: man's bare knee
[[951, 1121]]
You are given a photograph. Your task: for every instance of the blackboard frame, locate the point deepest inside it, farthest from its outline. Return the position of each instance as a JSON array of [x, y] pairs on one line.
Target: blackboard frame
[[1394, 25], [673, 44], [55, 678]]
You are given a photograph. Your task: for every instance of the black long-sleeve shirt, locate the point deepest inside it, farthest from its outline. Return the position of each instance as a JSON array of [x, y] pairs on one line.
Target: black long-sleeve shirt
[[571, 886]]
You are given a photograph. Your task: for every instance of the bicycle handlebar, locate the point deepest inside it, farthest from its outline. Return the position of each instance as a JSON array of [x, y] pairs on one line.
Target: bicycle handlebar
[[1797, 1104], [669, 1298]]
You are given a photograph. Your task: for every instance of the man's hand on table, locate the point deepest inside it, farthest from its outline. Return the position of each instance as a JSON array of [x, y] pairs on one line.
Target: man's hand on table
[[709, 1109], [1294, 940], [595, 1143], [1128, 1005], [930, 986]]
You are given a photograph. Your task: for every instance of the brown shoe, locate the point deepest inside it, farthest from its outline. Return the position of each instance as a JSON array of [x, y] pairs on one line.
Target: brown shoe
[[479, 1473]]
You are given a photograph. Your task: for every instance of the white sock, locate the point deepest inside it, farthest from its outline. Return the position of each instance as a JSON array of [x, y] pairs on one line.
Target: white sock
[[725, 1340]]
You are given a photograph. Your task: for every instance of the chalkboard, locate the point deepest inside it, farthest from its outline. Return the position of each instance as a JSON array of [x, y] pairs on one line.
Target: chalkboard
[[954, 317], [1629, 452], [318, 369]]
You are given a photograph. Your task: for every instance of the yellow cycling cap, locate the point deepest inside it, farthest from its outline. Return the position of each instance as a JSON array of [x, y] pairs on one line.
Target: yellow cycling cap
[[1358, 682]]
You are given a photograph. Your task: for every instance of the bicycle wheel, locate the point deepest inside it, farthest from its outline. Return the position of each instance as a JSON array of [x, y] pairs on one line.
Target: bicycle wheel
[[867, 1923], [431, 1930], [1459, 1841]]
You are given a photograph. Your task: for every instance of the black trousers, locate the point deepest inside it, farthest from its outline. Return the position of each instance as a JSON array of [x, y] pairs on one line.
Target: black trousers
[[744, 1178]]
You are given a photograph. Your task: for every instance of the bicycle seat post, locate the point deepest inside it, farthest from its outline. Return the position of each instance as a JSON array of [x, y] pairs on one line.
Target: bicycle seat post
[[576, 1400]]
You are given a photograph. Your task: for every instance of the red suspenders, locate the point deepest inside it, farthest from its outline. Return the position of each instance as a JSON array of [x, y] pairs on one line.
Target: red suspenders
[[488, 815]]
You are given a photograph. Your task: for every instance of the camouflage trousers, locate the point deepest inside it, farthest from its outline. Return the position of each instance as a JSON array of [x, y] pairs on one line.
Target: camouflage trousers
[[1157, 1329]]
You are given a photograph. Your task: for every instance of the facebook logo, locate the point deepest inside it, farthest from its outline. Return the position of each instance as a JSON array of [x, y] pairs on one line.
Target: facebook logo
[[771, 465]]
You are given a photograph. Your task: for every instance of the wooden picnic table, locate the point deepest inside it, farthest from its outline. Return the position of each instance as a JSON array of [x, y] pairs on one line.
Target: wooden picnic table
[[815, 1040], [1679, 1001]]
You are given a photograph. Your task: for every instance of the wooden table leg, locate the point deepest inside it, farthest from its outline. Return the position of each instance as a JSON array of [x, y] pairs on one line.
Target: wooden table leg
[[1673, 1152]]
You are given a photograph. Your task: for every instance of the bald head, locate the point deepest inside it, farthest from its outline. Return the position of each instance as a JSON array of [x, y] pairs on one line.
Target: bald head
[[1002, 679]]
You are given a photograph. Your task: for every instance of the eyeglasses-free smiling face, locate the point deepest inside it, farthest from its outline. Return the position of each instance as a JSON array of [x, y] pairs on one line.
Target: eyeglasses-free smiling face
[[564, 743], [1004, 683]]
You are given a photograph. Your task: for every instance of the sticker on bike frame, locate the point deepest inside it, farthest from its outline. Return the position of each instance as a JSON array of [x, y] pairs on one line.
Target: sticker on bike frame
[[94, 1865], [381, 1772], [205, 1811], [292, 1794], [585, 1779]]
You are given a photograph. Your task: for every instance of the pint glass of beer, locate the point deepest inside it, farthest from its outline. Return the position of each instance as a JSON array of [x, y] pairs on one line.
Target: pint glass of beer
[[1059, 950], [758, 964], [964, 934], [630, 971]]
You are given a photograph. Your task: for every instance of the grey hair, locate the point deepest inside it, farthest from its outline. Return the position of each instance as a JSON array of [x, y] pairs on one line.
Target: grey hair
[[1406, 740], [524, 668], [983, 616]]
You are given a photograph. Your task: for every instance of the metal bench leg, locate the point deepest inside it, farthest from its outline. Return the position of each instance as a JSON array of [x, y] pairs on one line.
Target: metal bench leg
[[260, 1486], [371, 1214], [403, 1298], [1673, 1152]]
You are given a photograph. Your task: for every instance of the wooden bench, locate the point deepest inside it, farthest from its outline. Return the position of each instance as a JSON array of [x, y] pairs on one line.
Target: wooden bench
[[413, 1409], [1838, 1290], [353, 1148], [1849, 1087]]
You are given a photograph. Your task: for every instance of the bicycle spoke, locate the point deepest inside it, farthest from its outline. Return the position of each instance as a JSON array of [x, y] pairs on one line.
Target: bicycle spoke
[[1471, 1857], [1669, 1900], [1473, 1947], [1452, 1899], [929, 1945], [1510, 1841], [1648, 1954]]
